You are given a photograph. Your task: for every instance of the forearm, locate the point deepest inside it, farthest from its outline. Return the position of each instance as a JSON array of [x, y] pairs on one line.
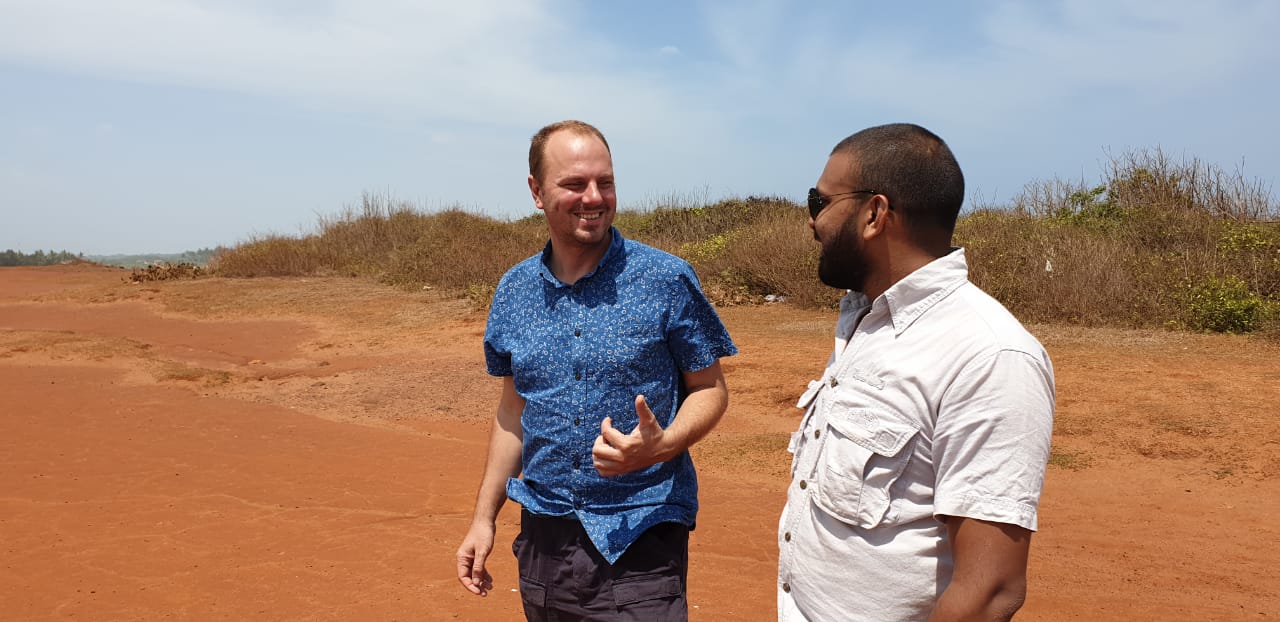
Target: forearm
[[503, 463], [698, 415], [504, 459], [959, 603], [989, 580]]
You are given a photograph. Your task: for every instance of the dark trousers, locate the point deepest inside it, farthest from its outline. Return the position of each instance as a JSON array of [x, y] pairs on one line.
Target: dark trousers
[[563, 578]]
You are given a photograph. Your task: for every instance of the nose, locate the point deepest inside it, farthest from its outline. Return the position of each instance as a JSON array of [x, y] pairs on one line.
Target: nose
[[592, 194]]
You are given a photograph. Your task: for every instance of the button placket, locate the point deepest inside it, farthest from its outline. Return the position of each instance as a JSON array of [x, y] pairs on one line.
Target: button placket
[[846, 357]]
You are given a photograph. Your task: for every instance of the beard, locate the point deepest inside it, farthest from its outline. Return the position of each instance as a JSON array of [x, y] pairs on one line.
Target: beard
[[843, 264]]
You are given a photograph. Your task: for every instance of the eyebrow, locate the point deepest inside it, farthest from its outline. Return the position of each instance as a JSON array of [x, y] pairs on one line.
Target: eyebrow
[[575, 178]]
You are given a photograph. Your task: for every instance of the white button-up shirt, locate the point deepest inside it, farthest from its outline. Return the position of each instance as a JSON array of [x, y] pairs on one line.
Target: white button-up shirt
[[935, 402]]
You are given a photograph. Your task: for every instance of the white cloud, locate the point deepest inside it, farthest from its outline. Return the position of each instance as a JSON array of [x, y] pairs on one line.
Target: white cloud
[[500, 62]]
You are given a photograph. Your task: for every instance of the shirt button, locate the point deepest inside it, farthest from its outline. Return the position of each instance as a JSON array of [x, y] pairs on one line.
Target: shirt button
[[577, 421], [817, 433], [577, 333], [834, 382], [803, 484], [786, 587], [577, 376], [787, 536]]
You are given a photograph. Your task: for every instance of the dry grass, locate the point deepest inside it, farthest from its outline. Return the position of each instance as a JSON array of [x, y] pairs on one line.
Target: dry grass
[[171, 371], [1159, 243], [165, 272], [1070, 460]]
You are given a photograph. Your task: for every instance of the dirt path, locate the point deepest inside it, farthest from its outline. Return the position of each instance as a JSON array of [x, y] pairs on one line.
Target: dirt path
[[309, 449]]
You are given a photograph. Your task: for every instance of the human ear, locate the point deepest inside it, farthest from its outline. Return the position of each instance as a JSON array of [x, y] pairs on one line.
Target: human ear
[[877, 217], [535, 189]]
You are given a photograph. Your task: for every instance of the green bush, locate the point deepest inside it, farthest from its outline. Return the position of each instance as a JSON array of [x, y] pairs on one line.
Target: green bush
[[706, 250], [1225, 306], [1092, 207]]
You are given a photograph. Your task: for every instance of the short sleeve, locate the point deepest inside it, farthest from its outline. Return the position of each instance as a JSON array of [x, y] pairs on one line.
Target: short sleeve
[[497, 333], [497, 363], [991, 439], [695, 335]]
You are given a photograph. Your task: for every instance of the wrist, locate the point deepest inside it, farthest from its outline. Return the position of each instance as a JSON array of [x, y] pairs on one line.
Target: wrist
[[484, 519], [672, 445]]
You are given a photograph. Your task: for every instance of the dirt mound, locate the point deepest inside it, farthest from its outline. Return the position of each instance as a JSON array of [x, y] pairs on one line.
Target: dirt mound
[[165, 272]]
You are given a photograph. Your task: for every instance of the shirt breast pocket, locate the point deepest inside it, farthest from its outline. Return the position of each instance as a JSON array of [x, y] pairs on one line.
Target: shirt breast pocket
[[865, 453], [626, 354]]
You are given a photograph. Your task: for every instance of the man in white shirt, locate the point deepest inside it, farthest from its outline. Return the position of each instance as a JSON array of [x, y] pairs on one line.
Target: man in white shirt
[[921, 455]]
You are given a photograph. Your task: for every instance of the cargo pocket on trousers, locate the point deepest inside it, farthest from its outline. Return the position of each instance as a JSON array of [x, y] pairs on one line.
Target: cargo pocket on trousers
[[532, 593], [864, 454], [640, 588]]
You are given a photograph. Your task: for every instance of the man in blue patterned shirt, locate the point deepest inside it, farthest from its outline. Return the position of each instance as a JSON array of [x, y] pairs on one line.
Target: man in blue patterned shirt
[[609, 355]]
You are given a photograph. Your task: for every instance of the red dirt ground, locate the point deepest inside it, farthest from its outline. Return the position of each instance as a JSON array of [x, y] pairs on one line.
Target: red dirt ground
[[309, 449]]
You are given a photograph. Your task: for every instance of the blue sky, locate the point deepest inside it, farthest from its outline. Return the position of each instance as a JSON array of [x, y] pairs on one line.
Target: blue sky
[[131, 126]]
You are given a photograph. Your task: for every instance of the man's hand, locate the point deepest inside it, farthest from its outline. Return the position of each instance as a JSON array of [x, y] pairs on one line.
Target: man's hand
[[472, 554], [616, 453]]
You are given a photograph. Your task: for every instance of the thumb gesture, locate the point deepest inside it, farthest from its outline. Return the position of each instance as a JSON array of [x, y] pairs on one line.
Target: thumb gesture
[[615, 453], [648, 427]]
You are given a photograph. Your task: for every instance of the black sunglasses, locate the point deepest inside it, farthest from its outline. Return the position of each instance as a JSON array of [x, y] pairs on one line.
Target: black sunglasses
[[817, 202]]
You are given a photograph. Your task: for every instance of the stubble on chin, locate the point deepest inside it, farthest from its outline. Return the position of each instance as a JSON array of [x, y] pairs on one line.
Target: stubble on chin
[[841, 272], [825, 274]]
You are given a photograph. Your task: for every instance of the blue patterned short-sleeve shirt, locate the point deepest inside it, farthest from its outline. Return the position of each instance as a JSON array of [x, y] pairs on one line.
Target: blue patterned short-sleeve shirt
[[579, 353]]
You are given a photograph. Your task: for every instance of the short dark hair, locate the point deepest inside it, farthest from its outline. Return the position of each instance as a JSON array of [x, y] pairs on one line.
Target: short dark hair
[[915, 169], [538, 144]]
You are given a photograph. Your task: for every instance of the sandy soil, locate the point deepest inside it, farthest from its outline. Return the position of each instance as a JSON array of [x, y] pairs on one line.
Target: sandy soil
[[309, 449]]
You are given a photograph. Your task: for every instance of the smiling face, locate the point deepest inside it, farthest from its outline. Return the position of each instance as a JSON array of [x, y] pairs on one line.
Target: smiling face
[[576, 190]]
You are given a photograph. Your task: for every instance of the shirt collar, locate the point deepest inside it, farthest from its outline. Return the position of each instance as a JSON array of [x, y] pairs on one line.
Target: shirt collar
[[615, 249], [911, 297]]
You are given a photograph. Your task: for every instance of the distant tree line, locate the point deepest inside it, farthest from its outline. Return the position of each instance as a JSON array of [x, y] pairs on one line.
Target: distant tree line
[[198, 257], [11, 257]]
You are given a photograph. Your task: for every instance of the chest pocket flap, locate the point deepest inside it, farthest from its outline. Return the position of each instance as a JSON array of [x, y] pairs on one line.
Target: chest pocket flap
[[879, 433], [866, 451]]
